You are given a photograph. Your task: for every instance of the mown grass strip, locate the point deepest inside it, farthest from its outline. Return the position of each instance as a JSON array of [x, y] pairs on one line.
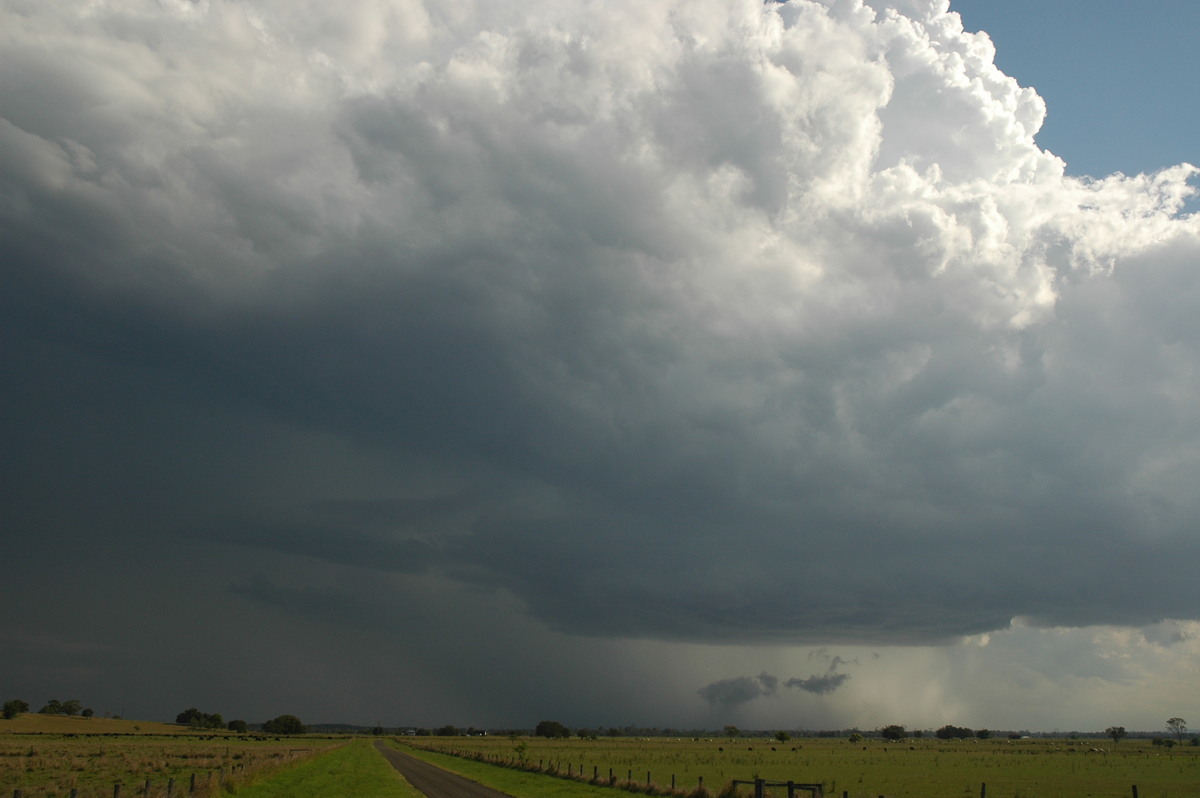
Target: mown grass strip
[[355, 770], [514, 782]]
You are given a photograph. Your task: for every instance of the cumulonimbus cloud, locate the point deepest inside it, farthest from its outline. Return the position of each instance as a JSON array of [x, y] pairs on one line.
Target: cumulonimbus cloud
[[710, 320]]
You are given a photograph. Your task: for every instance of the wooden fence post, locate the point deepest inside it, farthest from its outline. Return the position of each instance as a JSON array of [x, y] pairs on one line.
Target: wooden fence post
[[170, 787], [146, 789], [116, 791], [983, 790], [1135, 791], [192, 785]]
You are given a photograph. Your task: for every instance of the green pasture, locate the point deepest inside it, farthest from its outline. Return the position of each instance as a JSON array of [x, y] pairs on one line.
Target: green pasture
[[353, 770], [916, 768]]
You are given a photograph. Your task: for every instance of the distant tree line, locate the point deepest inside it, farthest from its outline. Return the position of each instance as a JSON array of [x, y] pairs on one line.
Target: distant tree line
[[72, 707]]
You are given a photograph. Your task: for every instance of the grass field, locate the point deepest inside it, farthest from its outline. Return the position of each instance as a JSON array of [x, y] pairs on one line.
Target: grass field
[[353, 770], [49, 756], [922, 768]]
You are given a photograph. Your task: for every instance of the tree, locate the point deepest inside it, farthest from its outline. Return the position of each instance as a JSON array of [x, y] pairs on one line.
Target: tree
[[53, 707], [1115, 732], [551, 728], [88, 712], [1178, 727], [782, 736], [186, 717], [238, 726], [732, 731], [195, 719], [14, 707], [72, 707], [983, 734], [893, 732], [285, 724], [949, 732]]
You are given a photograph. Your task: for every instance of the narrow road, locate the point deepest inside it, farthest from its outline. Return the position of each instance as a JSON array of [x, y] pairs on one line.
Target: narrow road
[[432, 780]]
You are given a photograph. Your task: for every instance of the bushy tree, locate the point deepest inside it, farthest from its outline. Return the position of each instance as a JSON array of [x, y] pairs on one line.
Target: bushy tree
[[1178, 727], [949, 732], [782, 736], [195, 719], [551, 728], [14, 707], [72, 707], [983, 734], [1116, 733], [285, 724], [893, 732], [238, 726], [53, 707]]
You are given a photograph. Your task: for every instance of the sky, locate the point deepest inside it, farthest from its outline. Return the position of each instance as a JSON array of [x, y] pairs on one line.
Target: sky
[[790, 365]]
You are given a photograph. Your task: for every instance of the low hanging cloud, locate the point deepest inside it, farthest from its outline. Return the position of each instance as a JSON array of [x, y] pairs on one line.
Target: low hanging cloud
[[819, 685], [744, 689], [739, 690], [712, 321]]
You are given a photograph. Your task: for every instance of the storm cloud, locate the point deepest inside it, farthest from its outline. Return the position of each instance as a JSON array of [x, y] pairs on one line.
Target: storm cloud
[[705, 323]]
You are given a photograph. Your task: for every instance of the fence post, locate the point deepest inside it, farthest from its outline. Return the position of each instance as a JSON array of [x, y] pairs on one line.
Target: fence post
[[17, 793], [116, 791], [146, 789], [983, 790], [647, 778], [672, 781], [192, 785], [760, 788], [1135, 791]]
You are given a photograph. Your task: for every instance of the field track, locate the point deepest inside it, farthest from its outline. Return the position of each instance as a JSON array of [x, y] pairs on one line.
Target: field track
[[432, 780]]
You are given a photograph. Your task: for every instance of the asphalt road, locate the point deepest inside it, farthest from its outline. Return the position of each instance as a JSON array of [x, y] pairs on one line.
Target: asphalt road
[[432, 780]]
